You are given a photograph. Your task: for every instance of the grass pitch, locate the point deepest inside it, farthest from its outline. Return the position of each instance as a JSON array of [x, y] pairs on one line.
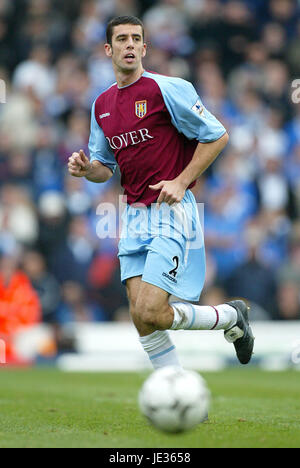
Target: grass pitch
[[48, 408]]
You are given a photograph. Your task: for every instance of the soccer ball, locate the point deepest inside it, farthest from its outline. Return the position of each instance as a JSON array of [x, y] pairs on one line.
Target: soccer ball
[[174, 400]]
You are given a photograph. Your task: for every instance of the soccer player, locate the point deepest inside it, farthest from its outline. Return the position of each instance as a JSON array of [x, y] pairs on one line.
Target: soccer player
[[156, 129]]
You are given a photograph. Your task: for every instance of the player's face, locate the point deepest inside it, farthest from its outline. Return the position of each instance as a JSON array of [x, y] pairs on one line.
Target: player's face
[[128, 47]]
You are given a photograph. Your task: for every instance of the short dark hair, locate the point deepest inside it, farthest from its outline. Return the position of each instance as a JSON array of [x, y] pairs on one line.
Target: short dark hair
[[122, 20]]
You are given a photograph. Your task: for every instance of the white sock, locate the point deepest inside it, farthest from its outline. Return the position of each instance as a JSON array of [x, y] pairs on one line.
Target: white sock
[[193, 317], [160, 349]]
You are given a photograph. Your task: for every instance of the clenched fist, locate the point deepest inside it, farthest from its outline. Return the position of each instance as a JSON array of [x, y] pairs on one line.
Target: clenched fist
[[79, 164]]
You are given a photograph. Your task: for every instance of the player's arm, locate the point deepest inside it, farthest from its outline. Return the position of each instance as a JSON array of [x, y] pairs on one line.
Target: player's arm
[[80, 166], [190, 117], [204, 156], [173, 191]]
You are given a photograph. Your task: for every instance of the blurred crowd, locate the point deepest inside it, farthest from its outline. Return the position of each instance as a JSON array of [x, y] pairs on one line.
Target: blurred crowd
[[242, 57]]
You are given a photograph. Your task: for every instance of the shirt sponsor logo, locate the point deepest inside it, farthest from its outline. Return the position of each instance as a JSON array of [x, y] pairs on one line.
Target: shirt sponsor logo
[[124, 140], [140, 109]]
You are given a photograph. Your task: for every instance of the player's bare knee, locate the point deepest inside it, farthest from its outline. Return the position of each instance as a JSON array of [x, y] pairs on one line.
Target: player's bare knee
[[149, 314], [150, 319]]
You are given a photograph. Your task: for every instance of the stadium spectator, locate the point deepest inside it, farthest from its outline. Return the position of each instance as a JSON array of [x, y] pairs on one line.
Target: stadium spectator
[[18, 215], [45, 284], [253, 279], [77, 132], [289, 271], [53, 223], [283, 12], [104, 281], [288, 302], [293, 53], [19, 303], [36, 74], [73, 257], [167, 28], [75, 307], [292, 172]]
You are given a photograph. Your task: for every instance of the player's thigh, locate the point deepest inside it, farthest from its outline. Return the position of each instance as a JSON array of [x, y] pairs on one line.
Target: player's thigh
[[143, 295]]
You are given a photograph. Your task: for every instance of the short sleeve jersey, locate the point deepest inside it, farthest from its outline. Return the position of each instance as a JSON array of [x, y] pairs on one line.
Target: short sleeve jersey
[[150, 129]]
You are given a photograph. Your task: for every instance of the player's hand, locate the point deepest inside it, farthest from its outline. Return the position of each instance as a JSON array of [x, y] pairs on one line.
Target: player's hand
[[171, 192], [79, 164]]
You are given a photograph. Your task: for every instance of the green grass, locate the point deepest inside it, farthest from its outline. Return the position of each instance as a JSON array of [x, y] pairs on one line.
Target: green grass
[[48, 408]]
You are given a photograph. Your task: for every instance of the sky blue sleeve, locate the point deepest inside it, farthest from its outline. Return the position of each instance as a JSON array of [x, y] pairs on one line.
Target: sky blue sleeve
[[98, 145], [187, 111]]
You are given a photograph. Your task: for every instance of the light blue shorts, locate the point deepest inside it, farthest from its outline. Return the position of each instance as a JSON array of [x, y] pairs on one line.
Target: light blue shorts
[[165, 247]]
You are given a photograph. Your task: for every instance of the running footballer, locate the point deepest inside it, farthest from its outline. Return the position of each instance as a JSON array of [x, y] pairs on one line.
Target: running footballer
[[159, 133]]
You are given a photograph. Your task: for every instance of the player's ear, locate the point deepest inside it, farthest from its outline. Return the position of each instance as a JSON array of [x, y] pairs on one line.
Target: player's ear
[[108, 50], [144, 50]]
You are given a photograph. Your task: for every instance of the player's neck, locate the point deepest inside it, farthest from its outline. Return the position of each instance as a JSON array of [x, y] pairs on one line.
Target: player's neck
[[126, 79]]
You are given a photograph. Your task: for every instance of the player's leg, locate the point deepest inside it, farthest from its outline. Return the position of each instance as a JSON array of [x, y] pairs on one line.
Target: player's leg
[[153, 312], [153, 316], [132, 287], [231, 317], [175, 264], [156, 343]]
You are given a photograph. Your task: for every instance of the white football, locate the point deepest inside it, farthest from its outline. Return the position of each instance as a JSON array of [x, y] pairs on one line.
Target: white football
[[174, 400]]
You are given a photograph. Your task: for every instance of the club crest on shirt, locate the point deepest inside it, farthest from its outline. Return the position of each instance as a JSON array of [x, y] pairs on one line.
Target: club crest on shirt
[[140, 109]]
